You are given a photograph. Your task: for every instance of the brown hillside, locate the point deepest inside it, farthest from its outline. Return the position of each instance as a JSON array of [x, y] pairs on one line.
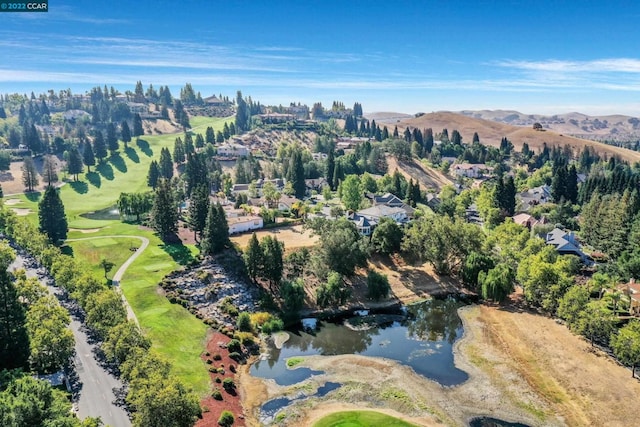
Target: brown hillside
[[491, 133]]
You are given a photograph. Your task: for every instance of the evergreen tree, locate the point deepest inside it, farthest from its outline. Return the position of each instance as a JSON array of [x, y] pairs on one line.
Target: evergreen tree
[[395, 132], [153, 175], [296, 174], [330, 168], [178, 151], [272, 268], [74, 162], [137, 125], [198, 210], [428, 140], [210, 136], [559, 183], [3, 113], [112, 138], [125, 133], [100, 147], [243, 120], [166, 164], [571, 190], [508, 202], [29, 174], [476, 138], [88, 157], [164, 212], [51, 216], [195, 172], [254, 258], [216, 233], [385, 133]]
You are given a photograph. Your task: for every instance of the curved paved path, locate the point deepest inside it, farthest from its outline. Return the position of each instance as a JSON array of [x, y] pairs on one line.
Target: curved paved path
[[123, 268]]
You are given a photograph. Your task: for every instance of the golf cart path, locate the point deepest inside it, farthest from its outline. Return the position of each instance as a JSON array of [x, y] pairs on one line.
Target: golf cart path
[[117, 277]]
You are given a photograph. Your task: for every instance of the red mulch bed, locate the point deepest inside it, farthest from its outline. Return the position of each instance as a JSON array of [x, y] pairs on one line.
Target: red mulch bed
[[229, 402]]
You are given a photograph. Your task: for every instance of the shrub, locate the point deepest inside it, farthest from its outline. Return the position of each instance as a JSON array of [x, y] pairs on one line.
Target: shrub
[[232, 368], [221, 371], [213, 369], [235, 356], [218, 380], [216, 394], [228, 384], [234, 345], [209, 361], [244, 322], [260, 318], [217, 356], [273, 325], [377, 285], [245, 338], [226, 419]]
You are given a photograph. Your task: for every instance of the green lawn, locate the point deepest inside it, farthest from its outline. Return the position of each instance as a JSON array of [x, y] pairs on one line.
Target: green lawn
[[360, 419], [199, 124]]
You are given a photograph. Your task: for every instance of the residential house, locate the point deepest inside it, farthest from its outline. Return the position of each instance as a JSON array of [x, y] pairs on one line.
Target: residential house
[[232, 150], [286, 202], [75, 114], [375, 213], [632, 290], [213, 101], [534, 197], [316, 184], [566, 244], [362, 223], [240, 224], [391, 200], [137, 107], [469, 170], [525, 220]]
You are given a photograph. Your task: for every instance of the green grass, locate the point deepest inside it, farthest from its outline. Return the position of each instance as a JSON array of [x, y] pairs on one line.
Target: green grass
[[293, 361], [360, 419], [199, 124]]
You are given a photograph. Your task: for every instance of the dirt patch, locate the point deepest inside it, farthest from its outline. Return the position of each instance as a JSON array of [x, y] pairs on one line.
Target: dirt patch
[[293, 236], [12, 202], [325, 409], [429, 179], [212, 408]]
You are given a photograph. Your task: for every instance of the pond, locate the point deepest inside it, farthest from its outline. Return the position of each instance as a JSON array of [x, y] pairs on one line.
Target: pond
[[422, 338], [109, 213]]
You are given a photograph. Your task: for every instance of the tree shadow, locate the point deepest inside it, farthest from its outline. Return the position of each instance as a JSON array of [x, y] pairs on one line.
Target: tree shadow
[[33, 196], [94, 178], [118, 162], [79, 187], [144, 146], [105, 170], [132, 154], [179, 252]]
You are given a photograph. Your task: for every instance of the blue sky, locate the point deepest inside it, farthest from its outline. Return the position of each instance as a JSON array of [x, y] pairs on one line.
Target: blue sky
[[405, 56]]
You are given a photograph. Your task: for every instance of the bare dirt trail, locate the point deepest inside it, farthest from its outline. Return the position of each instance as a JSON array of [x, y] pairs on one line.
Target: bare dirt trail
[[429, 179]]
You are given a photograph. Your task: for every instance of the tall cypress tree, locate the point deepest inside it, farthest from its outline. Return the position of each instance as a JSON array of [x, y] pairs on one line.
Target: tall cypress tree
[[112, 138], [164, 213], [254, 258], [100, 147], [51, 216], [125, 133], [137, 125], [166, 164], [153, 175], [571, 190], [296, 174], [198, 210], [216, 233], [331, 165], [88, 157]]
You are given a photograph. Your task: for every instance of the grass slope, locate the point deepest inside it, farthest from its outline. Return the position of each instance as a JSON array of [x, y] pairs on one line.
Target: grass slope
[[360, 419]]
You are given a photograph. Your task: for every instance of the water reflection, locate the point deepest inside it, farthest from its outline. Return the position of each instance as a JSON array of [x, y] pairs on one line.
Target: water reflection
[[422, 340]]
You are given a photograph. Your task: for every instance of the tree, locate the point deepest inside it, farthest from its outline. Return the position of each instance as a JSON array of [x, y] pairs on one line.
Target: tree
[[387, 236], [29, 174], [330, 168], [107, 266], [442, 242], [88, 157], [112, 138], [216, 232], [572, 304], [474, 264], [272, 265], [51, 342], [210, 135], [49, 172], [334, 292], [243, 324], [178, 151], [122, 340], [497, 283], [14, 339], [164, 213], [377, 285], [137, 125], [198, 210], [352, 192], [100, 146], [626, 345], [104, 311], [254, 257], [125, 133], [153, 175], [341, 248], [596, 322], [51, 216], [243, 119], [296, 173], [165, 164], [292, 293], [74, 162]]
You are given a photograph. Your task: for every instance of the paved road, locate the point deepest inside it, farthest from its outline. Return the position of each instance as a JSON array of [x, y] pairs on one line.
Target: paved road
[[95, 386], [117, 277]]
